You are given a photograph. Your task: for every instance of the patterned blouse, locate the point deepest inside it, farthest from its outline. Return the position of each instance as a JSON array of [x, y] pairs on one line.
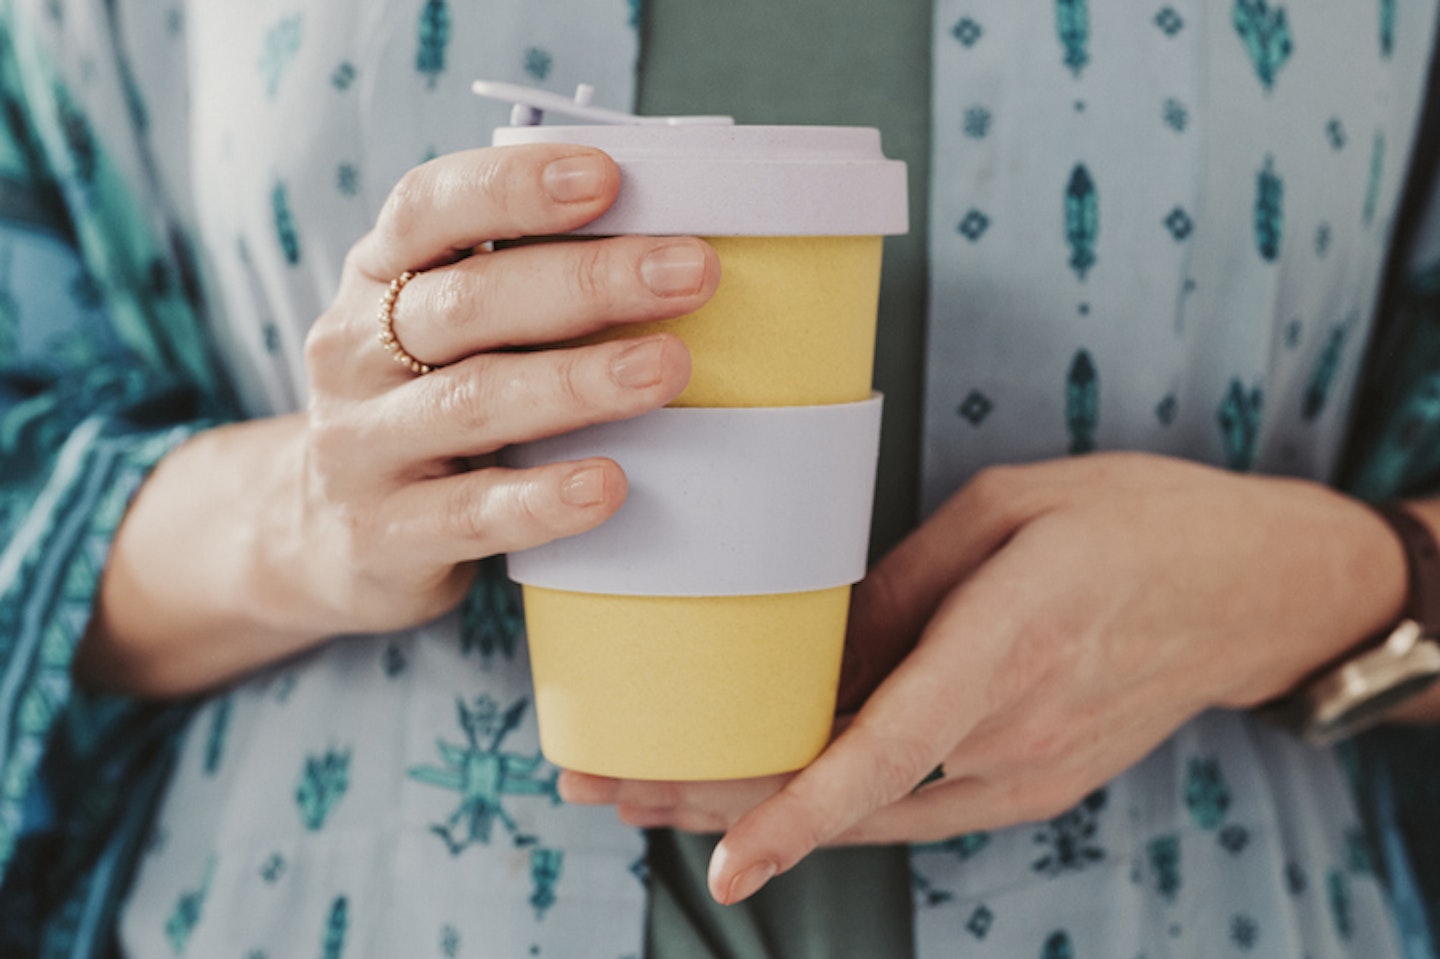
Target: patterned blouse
[[1156, 226]]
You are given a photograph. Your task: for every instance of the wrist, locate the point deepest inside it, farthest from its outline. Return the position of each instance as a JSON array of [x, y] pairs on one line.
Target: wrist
[[1389, 670], [281, 586], [1339, 579], [190, 597]]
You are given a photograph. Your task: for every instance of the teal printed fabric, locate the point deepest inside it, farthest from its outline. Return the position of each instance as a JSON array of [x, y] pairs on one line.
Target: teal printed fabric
[[1397, 448], [103, 370], [1399, 791], [1213, 846], [1395, 451], [1190, 195], [384, 796], [1165, 228]]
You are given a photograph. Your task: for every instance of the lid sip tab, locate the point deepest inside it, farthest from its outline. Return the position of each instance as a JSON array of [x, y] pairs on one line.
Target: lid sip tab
[[531, 105]]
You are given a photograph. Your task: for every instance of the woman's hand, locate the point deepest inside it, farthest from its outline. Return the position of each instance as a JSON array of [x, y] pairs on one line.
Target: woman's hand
[[364, 514], [1070, 616]]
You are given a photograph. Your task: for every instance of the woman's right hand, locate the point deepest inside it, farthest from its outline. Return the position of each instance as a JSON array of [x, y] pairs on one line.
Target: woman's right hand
[[366, 513]]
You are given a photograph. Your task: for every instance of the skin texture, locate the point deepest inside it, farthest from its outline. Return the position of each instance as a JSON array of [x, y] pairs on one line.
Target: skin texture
[[1042, 632], [1045, 630], [362, 513]]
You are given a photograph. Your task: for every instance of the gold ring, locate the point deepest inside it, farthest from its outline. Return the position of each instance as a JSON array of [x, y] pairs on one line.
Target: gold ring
[[387, 338]]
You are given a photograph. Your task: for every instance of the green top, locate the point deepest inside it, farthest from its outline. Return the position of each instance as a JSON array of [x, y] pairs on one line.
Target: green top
[[871, 70]]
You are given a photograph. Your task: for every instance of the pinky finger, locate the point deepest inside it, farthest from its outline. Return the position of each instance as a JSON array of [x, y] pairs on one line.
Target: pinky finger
[[481, 513]]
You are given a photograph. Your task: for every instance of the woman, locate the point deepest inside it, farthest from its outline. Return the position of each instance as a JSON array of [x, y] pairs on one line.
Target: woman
[[1068, 644]]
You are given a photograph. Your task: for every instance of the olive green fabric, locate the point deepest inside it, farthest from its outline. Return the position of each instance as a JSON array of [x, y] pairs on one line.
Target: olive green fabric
[[822, 62], [838, 904], [843, 62]]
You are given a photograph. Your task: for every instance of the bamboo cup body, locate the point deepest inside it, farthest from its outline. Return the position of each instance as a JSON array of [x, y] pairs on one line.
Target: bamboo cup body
[[700, 683], [719, 687]]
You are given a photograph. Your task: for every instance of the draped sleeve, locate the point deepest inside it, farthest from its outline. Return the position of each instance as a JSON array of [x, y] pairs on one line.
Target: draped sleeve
[[104, 369]]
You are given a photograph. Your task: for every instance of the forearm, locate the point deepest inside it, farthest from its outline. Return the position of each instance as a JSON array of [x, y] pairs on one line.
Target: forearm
[[205, 581]]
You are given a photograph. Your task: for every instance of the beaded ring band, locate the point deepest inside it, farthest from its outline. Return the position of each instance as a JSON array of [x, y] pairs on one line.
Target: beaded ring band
[[386, 317]]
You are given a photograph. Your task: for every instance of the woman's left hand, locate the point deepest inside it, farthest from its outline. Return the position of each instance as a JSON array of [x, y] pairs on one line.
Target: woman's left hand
[[1070, 616]]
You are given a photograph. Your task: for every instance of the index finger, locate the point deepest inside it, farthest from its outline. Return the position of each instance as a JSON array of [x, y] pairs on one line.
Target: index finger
[[936, 697], [459, 201]]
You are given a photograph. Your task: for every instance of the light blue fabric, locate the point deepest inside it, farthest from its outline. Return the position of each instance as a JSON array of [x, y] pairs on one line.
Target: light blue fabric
[[301, 796], [103, 370], [1161, 229], [1198, 196], [384, 796], [1229, 839]]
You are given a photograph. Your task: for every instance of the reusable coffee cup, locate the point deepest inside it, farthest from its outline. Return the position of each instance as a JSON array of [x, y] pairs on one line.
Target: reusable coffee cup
[[698, 633]]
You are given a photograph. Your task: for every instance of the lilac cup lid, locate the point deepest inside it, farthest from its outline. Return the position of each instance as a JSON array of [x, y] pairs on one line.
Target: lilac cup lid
[[708, 176]]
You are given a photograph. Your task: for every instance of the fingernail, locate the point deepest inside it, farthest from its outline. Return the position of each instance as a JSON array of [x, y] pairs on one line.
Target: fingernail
[[749, 881], [639, 366], [584, 487], [674, 270], [572, 179]]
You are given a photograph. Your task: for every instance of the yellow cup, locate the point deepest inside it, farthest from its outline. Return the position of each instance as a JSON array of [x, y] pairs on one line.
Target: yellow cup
[[725, 686], [719, 687]]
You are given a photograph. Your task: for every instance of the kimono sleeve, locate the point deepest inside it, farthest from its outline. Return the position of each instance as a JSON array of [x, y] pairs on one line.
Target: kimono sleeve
[[90, 402]]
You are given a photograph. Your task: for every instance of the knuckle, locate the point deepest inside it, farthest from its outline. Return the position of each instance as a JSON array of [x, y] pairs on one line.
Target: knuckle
[[450, 299], [569, 372], [1038, 746], [403, 211], [591, 266], [528, 505], [991, 490], [466, 516], [500, 177], [1037, 656], [466, 403], [353, 264], [899, 761], [325, 347]]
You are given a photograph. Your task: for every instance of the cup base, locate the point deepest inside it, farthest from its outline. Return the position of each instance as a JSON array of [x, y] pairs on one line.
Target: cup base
[[685, 688]]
